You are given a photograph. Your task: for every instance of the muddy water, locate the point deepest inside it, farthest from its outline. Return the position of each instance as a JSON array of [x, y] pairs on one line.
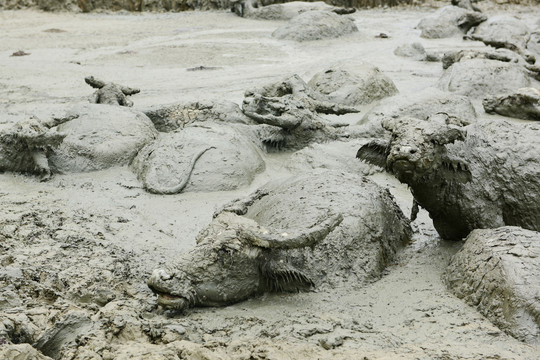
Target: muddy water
[[408, 314]]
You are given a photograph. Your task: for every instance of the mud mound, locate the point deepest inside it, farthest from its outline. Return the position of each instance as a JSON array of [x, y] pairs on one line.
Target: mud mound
[[316, 25], [480, 77], [353, 84], [209, 158], [100, 137], [498, 272], [421, 106]]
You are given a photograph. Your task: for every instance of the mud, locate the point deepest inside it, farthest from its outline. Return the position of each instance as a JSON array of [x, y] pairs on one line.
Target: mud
[[76, 251]]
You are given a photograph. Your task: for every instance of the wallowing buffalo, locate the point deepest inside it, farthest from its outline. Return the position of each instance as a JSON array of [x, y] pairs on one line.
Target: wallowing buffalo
[[315, 230], [486, 175]]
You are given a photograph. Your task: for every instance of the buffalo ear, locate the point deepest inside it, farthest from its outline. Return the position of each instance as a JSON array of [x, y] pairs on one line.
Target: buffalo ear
[[375, 152], [281, 276]]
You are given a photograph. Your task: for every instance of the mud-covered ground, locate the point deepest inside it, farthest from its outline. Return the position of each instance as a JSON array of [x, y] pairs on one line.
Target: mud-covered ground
[[75, 252]]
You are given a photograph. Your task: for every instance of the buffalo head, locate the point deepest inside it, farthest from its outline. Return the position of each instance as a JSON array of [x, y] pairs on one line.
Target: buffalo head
[[416, 148], [234, 259]]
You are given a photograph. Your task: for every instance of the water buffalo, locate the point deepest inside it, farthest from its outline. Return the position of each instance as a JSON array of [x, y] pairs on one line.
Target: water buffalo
[[319, 229], [110, 93], [505, 32], [521, 104], [485, 175], [290, 110], [26, 145]]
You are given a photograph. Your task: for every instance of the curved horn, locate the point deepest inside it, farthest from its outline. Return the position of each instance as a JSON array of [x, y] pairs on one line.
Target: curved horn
[[307, 238], [285, 122]]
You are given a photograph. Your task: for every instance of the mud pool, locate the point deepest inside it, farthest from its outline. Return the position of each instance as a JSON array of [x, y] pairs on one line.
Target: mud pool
[[76, 251]]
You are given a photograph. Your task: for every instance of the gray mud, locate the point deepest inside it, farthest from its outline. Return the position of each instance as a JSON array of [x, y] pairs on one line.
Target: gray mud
[[75, 252]]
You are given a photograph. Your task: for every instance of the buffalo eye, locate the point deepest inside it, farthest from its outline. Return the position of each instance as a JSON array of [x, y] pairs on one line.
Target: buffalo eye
[[224, 256]]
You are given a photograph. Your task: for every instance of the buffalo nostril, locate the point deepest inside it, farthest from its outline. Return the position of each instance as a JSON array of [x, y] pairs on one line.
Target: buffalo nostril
[[404, 150]]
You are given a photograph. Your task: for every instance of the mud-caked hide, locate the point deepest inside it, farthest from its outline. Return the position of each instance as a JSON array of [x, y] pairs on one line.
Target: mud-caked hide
[[26, 145], [233, 260], [289, 235], [110, 93], [485, 175]]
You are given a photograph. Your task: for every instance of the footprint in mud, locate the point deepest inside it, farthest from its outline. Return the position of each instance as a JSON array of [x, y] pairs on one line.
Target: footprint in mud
[[20, 53], [54, 30]]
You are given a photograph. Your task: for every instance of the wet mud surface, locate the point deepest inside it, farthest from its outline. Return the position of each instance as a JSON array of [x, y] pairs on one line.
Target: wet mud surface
[[76, 251]]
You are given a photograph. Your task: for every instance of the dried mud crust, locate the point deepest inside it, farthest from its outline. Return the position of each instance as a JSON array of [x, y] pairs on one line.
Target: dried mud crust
[[58, 270]]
